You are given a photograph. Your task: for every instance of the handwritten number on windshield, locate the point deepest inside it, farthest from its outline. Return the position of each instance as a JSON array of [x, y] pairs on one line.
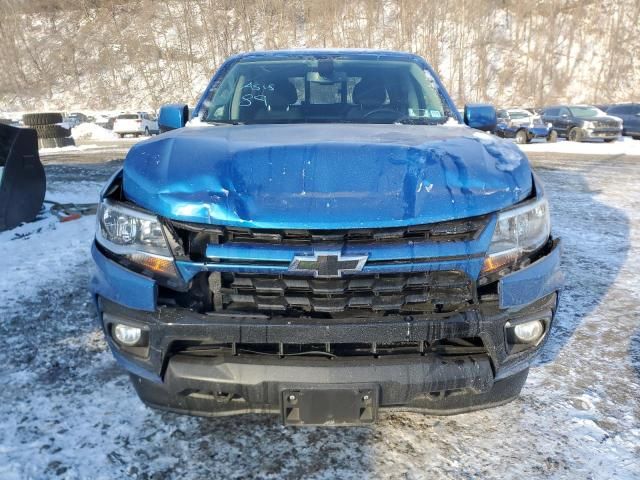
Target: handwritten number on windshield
[[256, 93]]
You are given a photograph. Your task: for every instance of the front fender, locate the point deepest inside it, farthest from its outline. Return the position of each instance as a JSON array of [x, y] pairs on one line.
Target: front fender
[[537, 280]]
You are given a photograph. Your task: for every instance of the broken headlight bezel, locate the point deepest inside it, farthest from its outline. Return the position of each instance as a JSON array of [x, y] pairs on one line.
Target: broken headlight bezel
[[135, 238], [519, 233]]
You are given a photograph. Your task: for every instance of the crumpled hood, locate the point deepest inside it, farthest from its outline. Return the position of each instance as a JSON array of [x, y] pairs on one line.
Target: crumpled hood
[[325, 176]]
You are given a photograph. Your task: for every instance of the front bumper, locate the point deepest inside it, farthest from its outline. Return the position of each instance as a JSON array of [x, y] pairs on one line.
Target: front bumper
[[539, 131], [604, 133], [223, 384]]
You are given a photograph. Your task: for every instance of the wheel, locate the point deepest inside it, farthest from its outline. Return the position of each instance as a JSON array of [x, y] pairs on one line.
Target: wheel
[[51, 131], [609, 140], [552, 137], [522, 137], [635, 137], [575, 134], [146, 132], [49, 118], [121, 135]]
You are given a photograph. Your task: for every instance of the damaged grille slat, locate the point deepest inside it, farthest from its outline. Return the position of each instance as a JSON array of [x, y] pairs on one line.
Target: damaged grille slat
[[458, 230], [453, 230], [412, 292]]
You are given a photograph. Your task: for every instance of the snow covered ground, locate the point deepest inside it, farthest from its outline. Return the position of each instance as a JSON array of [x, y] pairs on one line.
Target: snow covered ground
[[86, 147], [624, 146], [67, 410]]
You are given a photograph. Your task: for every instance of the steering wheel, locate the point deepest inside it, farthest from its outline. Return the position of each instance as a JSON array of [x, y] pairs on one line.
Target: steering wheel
[[382, 110]]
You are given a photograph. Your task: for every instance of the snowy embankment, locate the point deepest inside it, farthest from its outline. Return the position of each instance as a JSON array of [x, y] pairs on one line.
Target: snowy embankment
[[91, 131]]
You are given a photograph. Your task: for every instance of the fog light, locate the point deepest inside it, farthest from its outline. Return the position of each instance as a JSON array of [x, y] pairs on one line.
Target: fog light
[[127, 335], [528, 332]]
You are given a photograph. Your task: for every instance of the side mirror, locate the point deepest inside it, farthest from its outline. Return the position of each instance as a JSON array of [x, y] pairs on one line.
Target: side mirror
[[172, 116], [480, 116]]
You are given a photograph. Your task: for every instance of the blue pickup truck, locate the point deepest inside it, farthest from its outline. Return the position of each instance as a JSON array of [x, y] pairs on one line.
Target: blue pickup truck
[[325, 238]]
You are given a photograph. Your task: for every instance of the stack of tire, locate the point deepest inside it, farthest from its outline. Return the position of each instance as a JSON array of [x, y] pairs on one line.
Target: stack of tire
[[50, 133]]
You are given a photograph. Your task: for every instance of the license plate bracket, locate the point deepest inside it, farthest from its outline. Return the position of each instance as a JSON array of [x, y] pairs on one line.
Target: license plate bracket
[[330, 406]]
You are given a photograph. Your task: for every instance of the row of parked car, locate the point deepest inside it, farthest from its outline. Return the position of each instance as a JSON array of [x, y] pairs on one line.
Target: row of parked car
[[573, 122], [128, 123]]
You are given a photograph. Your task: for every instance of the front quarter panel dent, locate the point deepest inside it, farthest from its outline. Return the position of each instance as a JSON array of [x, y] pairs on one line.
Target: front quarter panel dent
[[533, 282]]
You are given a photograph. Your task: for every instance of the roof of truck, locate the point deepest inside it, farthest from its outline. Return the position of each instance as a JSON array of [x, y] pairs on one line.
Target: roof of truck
[[328, 51]]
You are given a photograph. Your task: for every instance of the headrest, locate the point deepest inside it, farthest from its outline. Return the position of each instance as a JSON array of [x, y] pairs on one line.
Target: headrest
[[282, 95], [369, 93]]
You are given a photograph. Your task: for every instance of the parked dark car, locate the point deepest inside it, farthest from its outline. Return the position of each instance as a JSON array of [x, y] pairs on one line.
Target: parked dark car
[[582, 122], [629, 113], [523, 125], [325, 238]]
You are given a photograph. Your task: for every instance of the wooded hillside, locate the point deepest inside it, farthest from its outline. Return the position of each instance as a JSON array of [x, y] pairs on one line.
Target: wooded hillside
[[72, 54]]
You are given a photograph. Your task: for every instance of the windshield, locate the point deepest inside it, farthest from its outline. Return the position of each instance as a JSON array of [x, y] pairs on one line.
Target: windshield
[[583, 112], [321, 90], [128, 116], [515, 114]]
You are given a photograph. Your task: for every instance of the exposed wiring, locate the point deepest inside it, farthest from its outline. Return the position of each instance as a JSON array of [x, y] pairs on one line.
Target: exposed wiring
[[71, 211]]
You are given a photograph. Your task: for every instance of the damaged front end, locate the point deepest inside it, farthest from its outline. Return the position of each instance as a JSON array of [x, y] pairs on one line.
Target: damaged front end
[[211, 319]]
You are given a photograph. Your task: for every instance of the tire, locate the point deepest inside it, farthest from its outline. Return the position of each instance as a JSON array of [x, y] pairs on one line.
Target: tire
[[635, 137], [147, 133], [609, 140], [575, 135], [49, 118], [55, 142], [522, 137], [552, 137], [52, 131], [121, 135]]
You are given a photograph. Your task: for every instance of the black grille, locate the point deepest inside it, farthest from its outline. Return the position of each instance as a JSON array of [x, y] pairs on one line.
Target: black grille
[[445, 231], [604, 124], [197, 235], [411, 292], [445, 347]]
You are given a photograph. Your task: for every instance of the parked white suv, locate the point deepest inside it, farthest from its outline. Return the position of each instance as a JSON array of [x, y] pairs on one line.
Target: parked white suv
[[137, 124]]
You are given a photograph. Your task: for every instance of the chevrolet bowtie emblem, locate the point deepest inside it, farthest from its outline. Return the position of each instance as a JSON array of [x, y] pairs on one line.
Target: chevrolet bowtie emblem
[[327, 264]]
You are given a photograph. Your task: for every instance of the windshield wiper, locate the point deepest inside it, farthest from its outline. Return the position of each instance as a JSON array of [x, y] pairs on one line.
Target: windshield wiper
[[223, 122], [418, 121]]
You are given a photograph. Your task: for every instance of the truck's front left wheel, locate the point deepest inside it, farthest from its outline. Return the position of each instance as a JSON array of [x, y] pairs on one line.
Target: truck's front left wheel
[[576, 134]]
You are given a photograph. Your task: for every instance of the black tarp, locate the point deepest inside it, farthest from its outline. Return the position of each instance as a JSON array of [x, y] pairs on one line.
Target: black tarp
[[22, 178]]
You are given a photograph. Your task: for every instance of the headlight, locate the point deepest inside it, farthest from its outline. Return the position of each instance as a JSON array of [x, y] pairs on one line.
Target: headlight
[[136, 237], [519, 232], [549, 124], [588, 124]]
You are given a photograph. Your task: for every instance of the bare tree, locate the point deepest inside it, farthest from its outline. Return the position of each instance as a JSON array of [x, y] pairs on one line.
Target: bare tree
[[119, 53]]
